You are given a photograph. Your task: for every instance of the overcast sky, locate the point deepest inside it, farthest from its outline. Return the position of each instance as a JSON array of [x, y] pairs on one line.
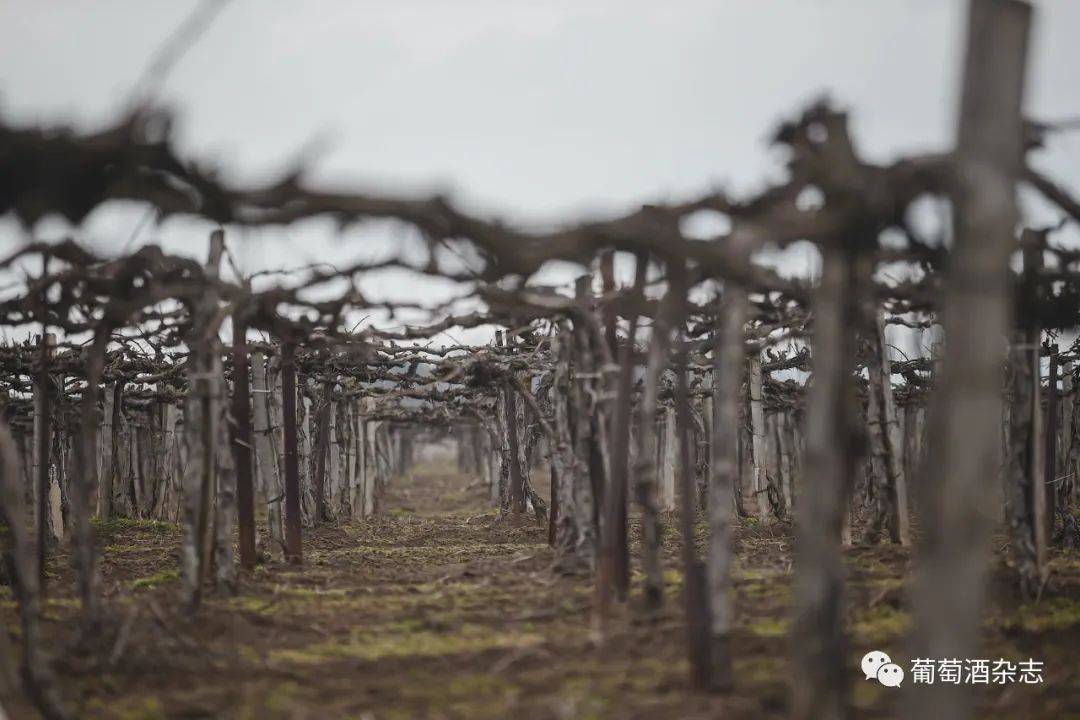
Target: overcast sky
[[532, 111]]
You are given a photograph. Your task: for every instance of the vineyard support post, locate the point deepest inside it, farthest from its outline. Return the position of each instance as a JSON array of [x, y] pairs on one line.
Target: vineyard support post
[[293, 549]]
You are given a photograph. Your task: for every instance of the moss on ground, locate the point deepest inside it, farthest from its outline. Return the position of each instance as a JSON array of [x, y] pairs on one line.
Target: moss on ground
[[879, 624], [121, 524], [770, 627], [1048, 615], [156, 580], [405, 639]]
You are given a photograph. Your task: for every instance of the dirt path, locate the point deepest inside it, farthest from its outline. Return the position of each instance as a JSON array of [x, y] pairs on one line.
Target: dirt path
[[437, 609]]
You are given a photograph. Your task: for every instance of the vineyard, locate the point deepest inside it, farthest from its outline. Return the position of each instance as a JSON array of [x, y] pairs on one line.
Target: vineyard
[[705, 492]]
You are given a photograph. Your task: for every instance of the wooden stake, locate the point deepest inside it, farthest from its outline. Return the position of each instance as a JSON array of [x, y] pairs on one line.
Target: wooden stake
[[758, 434], [242, 445], [1049, 485], [42, 456], [293, 546], [949, 590]]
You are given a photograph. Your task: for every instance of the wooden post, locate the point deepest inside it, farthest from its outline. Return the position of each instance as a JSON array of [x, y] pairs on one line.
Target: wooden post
[[357, 491], [156, 435], [202, 416], [37, 672], [787, 467], [346, 422], [758, 433], [1023, 473], [517, 479], [729, 359], [121, 499], [500, 453], [607, 284], [613, 572], [694, 596], [886, 446], [894, 435], [106, 450], [964, 447], [1050, 475], [172, 464], [270, 488], [818, 637], [669, 459], [225, 509], [363, 450], [1069, 426], [773, 479], [1037, 458], [646, 470], [333, 442], [242, 445], [322, 451], [305, 447], [370, 474], [42, 454], [553, 499], [587, 480], [568, 469], [138, 464], [293, 548]]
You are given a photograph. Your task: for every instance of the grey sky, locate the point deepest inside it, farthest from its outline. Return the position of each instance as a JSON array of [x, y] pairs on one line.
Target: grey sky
[[535, 111]]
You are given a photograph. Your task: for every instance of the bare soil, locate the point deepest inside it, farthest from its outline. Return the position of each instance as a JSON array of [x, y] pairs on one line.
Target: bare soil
[[440, 609]]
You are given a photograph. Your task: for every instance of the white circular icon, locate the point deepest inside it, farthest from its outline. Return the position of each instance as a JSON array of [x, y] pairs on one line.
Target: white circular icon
[[890, 675], [872, 662]]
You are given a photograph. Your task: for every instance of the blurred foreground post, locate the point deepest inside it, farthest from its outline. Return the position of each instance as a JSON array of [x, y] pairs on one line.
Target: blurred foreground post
[[956, 498]]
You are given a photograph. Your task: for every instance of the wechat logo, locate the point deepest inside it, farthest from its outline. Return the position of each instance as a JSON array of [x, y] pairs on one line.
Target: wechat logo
[[877, 665]]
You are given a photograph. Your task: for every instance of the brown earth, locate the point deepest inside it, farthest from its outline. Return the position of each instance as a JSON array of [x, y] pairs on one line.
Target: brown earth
[[438, 609]]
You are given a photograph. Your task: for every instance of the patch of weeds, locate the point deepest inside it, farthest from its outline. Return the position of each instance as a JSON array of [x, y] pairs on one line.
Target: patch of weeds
[[1053, 614], [471, 687], [883, 622], [865, 694], [63, 603], [758, 670], [157, 580], [280, 699], [770, 627], [673, 578], [258, 605], [766, 590], [146, 708], [578, 698], [883, 584], [645, 675], [249, 654], [870, 566], [403, 640], [122, 523], [743, 573], [300, 591]]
